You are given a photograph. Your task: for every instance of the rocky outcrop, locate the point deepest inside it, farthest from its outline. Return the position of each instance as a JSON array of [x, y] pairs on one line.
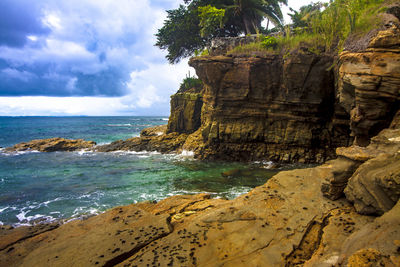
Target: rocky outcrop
[[154, 131], [52, 144], [286, 222], [369, 176], [375, 244], [269, 107], [375, 186], [369, 85], [185, 114], [164, 143]]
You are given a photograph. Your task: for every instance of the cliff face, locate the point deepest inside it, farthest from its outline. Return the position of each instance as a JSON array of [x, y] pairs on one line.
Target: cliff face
[[185, 111], [293, 108], [269, 107], [369, 85]]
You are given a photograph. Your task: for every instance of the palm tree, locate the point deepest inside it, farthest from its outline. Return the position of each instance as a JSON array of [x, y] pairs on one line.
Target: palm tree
[[252, 12]]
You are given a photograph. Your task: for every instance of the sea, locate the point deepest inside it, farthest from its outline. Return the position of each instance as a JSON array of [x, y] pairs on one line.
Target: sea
[[40, 187]]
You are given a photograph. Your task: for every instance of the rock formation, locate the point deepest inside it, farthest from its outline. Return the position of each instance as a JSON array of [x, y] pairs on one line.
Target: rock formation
[[52, 144], [369, 85], [268, 107], [185, 111], [286, 222]]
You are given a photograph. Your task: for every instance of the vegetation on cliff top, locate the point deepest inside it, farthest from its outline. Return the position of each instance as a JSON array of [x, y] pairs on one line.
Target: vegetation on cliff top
[[324, 27], [191, 26]]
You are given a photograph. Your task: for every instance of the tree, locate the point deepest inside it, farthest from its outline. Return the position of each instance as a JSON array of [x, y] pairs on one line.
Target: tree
[[185, 31], [303, 17], [210, 19]]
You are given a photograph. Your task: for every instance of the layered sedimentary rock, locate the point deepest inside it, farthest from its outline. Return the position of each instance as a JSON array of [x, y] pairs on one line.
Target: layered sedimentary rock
[[185, 111], [375, 187], [52, 144], [369, 85], [269, 107]]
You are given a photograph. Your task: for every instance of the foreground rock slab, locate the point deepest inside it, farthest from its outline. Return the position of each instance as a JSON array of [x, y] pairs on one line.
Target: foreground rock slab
[[52, 144], [286, 222]]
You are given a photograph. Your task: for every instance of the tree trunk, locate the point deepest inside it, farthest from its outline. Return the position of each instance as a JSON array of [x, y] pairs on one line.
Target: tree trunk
[[247, 25]]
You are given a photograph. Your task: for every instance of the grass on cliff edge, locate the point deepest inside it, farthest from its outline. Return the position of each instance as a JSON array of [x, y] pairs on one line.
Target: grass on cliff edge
[[327, 31]]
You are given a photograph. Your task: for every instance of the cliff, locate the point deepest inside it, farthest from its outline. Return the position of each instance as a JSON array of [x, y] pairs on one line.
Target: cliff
[[269, 107]]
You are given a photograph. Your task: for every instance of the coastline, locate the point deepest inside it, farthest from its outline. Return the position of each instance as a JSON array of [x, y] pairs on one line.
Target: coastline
[[286, 221]]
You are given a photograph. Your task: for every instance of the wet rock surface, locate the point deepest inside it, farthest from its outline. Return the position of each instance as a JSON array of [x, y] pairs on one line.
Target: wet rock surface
[[52, 144], [154, 131], [164, 143]]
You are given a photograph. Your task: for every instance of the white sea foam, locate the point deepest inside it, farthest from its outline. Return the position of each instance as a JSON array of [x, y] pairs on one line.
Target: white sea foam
[[187, 153], [165, 119], [17, 153], [25, 220], [3, 209]]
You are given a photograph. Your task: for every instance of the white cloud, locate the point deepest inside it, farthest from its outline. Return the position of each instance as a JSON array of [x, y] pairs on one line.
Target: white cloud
[[44, 106]]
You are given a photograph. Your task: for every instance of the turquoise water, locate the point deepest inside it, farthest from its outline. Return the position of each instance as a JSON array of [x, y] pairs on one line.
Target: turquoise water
[[42, 187]]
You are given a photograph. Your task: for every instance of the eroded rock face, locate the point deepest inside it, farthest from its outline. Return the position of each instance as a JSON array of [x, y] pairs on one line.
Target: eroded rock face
[[350, 159], [369, 85], [185, 114], [269, 107], [53, 144], [376, 244], [375, 186]]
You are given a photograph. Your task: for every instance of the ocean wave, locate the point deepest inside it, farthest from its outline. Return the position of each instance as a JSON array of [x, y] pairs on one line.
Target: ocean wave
[[18, 153], [164, 119], [128, 152], [25, 220], [3, 209], [120, 125]]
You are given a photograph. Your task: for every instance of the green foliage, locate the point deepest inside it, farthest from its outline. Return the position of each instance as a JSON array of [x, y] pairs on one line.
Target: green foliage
[[252, 12], [189, 28], [269, 42], [177, 35], [344, 17], [303, 17], [210, 19], [190, 82]]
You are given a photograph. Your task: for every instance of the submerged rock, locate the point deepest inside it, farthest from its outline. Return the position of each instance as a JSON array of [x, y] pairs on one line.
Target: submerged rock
[[52, 144]]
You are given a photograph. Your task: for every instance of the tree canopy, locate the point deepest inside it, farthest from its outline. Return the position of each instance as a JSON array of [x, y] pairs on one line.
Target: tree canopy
[[191, 26]]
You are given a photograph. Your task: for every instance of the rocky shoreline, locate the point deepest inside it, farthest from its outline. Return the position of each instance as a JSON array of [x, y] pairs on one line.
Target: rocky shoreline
[[345, 212], [286, 222]]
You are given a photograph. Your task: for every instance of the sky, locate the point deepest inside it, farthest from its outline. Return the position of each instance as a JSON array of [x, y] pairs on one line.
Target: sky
[[87, 57]]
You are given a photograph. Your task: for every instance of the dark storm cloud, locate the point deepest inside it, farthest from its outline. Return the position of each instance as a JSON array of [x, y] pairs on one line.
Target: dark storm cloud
[[73, 48], [19, 19]]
